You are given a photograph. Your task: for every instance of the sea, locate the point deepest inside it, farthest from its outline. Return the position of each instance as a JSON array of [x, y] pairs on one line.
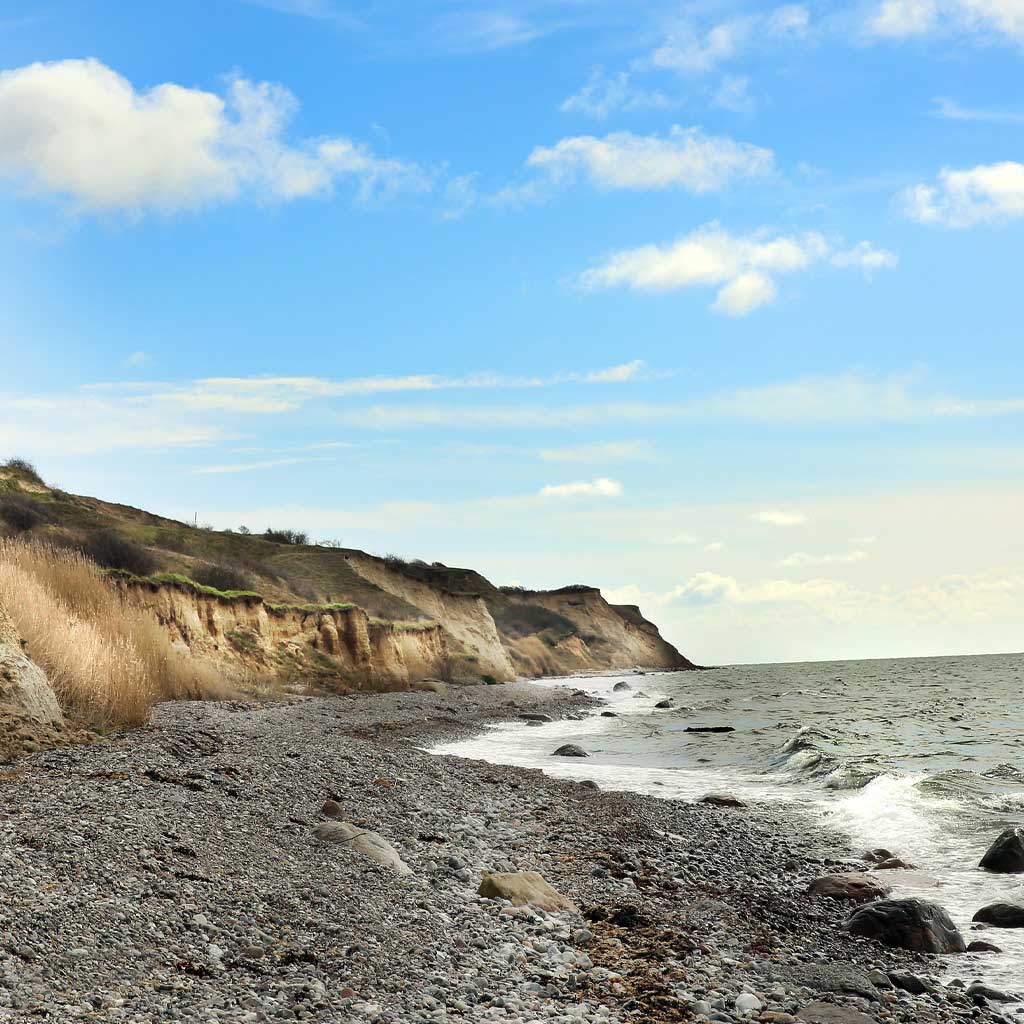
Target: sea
[[920, 756]]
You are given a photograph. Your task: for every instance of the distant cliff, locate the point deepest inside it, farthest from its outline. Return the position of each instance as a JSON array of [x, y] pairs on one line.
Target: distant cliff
[[273, 606]]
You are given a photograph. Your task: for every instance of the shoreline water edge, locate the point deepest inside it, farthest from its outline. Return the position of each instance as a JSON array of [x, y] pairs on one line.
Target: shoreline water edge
[[310, 860]]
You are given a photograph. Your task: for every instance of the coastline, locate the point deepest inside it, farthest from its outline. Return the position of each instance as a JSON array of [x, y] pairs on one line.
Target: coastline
[[173, 873]]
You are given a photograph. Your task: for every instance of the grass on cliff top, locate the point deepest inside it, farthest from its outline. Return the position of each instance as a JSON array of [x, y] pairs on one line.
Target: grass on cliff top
[[107, 660]]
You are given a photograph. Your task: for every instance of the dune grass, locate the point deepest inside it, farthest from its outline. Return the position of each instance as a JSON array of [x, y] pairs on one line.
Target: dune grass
[[108, 661]]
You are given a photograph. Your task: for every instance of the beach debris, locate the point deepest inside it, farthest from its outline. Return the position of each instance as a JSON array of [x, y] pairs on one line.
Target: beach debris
[[913, 924], [1006, 854], [1001, 915], [569, 750], [853, 886], [363, 841], [721, 800], [523, 887]]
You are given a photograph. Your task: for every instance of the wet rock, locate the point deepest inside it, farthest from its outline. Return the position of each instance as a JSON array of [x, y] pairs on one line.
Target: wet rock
[[908, 924], [981, 946], [893, 864], [841, 978], [534, 716], [877, 856], [987, 992], [665, 704], [911, 983], [710, 728], [855, 887], [570, 750], [621, 687], [523, 887], [589, 784], [1001, 915], [1006, 854], [721, 800], [609, 714], [363, 841]]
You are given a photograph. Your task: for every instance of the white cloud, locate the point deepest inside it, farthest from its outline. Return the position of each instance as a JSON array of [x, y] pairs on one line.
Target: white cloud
[[685, 539], [841, 398], [687, 159], [742, 267], [865, 541], [139, 358], [615, 374], [905, 18], [602, 487], [79, 130], [600, 451], [986, 194], [715, 545], [803, 559], [950, 110], [248, 467], [734, 94], [778, 517], [603, 94]]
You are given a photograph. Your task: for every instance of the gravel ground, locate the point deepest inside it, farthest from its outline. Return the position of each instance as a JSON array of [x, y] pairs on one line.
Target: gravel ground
[[174, 874]]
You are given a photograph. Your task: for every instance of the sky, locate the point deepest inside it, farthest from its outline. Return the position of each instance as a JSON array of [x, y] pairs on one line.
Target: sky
[[714, 305]]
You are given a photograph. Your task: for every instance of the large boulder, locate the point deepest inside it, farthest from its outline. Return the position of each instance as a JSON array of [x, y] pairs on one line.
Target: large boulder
[[855, 886], [621, 687], [25, 692], [1001, 915], [522, 887], [721, 800], [828, 1013], [570, 750], [363, 841], [1006, 854], [907, 924]]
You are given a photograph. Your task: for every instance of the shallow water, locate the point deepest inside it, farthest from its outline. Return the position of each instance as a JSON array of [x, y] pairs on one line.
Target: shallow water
[[922, 756]]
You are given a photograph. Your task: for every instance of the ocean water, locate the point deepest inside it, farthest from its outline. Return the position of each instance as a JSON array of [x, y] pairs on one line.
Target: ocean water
[[924, 757]]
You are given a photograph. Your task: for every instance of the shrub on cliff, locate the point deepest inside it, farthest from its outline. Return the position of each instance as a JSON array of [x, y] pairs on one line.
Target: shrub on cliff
[[222, 577], [285, 536], [22, 514], [23, 468], [113, 551], [107, 660]]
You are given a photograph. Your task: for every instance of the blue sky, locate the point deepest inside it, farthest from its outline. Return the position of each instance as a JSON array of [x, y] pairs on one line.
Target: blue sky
[[714, 305]]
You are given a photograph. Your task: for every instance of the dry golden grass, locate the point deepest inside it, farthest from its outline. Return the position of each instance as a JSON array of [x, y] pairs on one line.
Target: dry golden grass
[[108, 661]]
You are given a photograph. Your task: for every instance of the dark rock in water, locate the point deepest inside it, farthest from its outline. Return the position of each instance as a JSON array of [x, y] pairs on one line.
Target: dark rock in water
[[911, 983], [981, 946], [639, 693], [609, 714], [1006, 854], [908, 924], [533, 716], [1002, 915], [621, 687], [721, 800], [666, 703], [710, 728], [829, 1013], [534, 723], [854, 886], [570, 750], [589, 784], [877, 856], [987, 992], [894, 863]]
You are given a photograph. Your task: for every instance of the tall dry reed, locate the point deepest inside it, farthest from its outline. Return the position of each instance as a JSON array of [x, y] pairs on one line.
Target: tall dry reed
[[108, 661]]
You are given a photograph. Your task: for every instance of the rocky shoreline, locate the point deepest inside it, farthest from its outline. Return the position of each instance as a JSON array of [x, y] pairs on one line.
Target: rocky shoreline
[[188, 872]]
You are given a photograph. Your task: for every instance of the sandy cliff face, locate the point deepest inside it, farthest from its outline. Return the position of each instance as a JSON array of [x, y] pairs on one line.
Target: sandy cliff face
[[339, 647], [604, 637], [464, 616]]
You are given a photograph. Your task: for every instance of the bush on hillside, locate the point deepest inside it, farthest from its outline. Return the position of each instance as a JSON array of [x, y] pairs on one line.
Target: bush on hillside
[[24, 468], [222, 577], [113, 551], [108, 660], [22, 514], [285, 536]]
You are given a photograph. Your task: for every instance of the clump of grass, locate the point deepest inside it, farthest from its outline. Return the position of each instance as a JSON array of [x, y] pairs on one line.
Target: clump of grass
[[222, 577], [23, 468], [107, 660]]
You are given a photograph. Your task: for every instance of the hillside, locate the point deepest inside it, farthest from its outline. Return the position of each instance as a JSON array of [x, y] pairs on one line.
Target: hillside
[[276, 606]]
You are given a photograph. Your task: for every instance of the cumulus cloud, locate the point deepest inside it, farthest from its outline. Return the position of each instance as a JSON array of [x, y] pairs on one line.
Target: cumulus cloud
[[779, 517], [743, 268], [986, 194], [686, 158], [903, 18], [602, 487], [79, 130]]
